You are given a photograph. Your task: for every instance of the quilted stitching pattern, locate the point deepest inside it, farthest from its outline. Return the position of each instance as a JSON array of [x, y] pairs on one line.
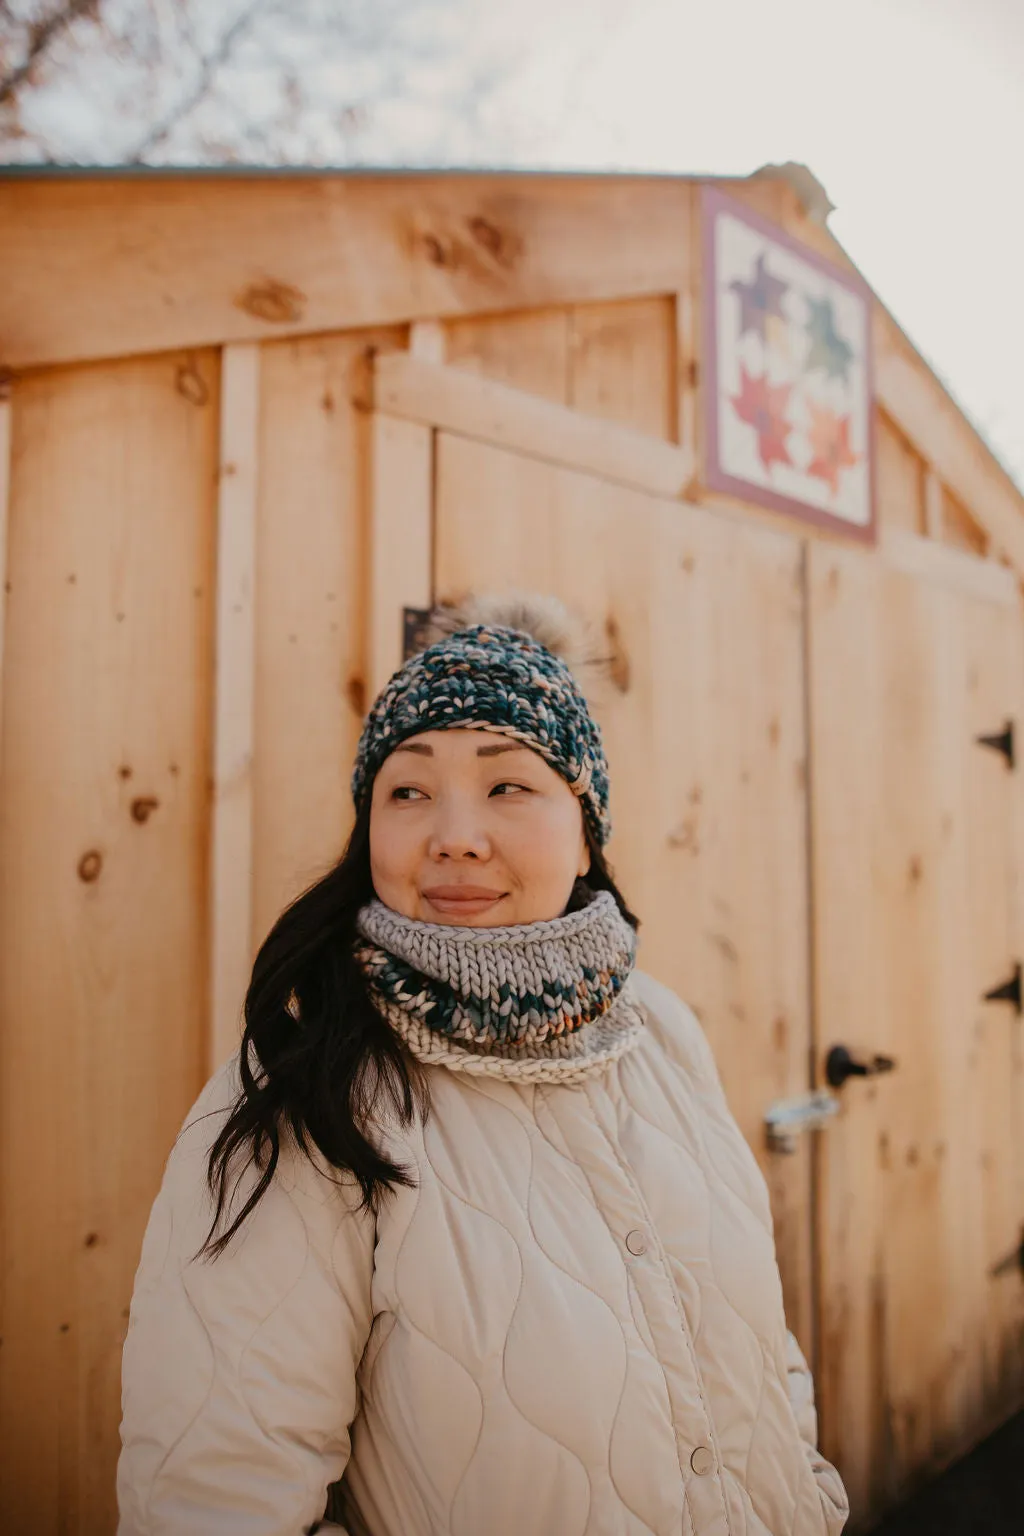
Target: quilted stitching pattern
[[506, 1363]]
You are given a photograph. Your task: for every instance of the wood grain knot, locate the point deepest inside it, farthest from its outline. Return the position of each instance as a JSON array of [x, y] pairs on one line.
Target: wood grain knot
[[437, 251], [684, 835], [190, 384], [503, 245], [89, 866], [277, 303], [356, 690], [143, 807], [619, 669]]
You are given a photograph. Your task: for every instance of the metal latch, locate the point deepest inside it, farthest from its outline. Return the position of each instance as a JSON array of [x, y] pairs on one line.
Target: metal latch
[[786, 1118]]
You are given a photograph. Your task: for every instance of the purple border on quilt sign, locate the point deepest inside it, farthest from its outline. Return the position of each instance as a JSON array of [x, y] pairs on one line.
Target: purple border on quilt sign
[[714, 203]]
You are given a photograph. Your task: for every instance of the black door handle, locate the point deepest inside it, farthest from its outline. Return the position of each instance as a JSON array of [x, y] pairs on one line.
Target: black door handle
[[839, 1065]]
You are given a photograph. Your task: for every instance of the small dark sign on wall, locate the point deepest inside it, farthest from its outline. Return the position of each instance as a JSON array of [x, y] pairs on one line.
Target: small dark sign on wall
[[414, 631], [789, 418]]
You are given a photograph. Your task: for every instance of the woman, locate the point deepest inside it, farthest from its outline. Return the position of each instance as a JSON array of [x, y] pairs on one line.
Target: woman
[[482, 1245]]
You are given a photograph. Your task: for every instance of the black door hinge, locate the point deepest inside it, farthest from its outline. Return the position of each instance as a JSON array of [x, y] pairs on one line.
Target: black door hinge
[[1001, 743]]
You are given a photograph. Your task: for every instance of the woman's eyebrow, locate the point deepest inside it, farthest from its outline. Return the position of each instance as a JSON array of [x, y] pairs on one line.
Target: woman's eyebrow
[[423, 750]]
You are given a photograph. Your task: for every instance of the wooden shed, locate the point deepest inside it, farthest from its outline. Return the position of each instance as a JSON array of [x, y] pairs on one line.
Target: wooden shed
[[251, 425]]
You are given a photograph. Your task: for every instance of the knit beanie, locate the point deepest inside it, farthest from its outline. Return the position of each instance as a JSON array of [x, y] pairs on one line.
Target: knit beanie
[[496, 674]]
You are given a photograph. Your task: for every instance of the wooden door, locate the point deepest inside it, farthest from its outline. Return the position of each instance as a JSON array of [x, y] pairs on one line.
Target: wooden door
[[706, 740], [917, 851]]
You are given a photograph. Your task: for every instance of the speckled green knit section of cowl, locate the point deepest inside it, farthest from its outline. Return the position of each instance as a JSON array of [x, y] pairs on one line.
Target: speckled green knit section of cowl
[[515, 988]]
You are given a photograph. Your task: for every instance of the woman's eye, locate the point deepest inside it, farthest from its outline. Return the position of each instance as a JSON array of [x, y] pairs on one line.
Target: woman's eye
[[402, 790], [522, 788]]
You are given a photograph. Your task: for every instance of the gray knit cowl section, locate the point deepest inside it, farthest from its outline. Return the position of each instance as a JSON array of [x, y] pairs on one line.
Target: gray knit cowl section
[[535, 1002]]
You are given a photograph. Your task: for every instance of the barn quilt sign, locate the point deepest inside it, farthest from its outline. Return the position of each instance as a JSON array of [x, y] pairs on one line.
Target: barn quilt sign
[[787, 346]]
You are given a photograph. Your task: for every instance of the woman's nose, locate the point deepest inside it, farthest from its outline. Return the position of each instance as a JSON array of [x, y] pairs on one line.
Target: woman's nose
[[458, 832]]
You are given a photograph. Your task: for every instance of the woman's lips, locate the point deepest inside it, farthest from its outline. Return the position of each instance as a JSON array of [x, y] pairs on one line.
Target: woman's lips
[[462, 899]]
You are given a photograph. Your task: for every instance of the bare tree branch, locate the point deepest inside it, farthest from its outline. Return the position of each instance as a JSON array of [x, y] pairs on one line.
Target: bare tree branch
[[41, 39], [208, 68], [297, 82]]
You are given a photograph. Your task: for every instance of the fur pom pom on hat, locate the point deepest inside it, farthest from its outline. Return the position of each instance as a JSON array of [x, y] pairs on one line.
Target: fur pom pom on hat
[[514, 664]]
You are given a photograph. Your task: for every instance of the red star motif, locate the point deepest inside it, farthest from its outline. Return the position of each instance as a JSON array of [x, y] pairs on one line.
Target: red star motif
[[763, 406], [829, 436]]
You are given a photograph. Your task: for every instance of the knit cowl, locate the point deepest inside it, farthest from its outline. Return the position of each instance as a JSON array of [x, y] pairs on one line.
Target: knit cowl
[[545, 1001]]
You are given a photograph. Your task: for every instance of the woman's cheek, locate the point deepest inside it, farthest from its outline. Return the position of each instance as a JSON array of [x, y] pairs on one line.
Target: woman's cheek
[[394, 852]]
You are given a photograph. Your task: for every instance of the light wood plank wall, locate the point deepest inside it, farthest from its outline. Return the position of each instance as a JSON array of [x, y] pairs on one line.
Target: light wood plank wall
[[632, 361], [103, 888], [615, 360], [121, 474], [311, 611]]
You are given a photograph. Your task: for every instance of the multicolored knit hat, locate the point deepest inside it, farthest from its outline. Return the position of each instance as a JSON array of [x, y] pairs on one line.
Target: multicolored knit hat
[[492, 677]]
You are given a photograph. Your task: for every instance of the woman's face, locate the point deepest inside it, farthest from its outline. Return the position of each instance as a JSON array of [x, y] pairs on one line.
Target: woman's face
[[472, 828]]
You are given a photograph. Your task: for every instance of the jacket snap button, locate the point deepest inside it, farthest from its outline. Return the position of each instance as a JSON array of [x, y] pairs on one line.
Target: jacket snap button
[[636, 1242], [702, 1461]]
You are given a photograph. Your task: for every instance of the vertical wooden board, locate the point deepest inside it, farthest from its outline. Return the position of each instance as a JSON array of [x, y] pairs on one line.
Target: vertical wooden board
[[5, 484], [687, 305], [900, 479], [912, 907], [622, 364], [528, 349], [1013, 1297], [845, 719], [991, 1168], [103, 889], [705, 739], [927, 843], [231, 829], [399, 538], [312, 688], [959, 528]]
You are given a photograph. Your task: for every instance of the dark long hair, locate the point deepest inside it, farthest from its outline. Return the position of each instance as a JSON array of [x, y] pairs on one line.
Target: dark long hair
[[338, 1067]]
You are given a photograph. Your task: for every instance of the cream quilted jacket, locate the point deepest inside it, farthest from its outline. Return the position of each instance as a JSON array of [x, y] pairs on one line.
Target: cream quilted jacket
[[573, 1326]]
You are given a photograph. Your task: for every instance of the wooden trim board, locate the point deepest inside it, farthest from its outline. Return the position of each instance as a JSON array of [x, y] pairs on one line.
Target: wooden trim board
[[934, 424], [98, 266], [400, 552], [923, 557], [234, 691], [462, 402], [5, 490]]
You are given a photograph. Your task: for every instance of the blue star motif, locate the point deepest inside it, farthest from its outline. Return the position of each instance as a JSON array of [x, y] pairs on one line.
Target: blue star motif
[[828, 350]]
